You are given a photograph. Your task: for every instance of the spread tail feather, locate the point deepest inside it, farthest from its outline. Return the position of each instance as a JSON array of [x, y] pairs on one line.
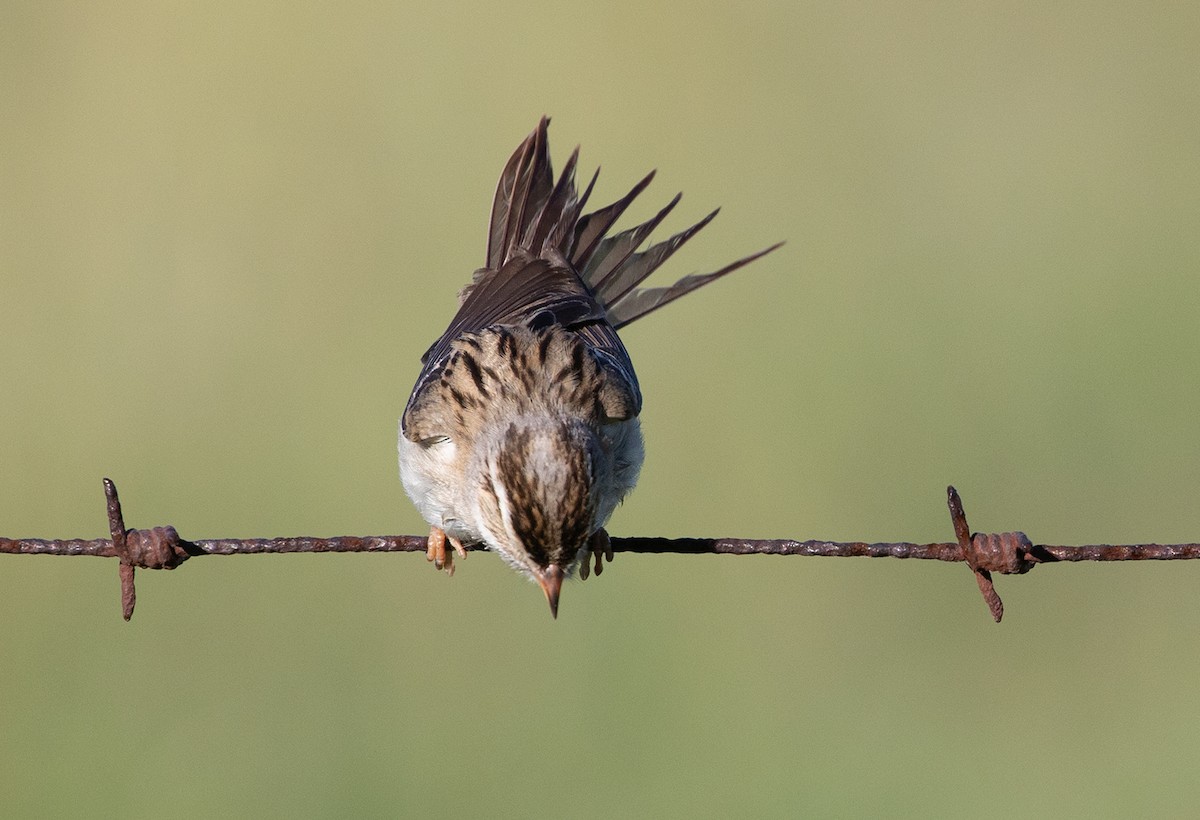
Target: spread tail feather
[[531, 213]]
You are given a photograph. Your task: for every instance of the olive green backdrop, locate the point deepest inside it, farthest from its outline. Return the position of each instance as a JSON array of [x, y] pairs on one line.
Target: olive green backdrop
[[228, 231]]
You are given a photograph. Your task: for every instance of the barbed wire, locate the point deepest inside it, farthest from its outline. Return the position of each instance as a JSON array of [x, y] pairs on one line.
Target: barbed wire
[[1009, 553]]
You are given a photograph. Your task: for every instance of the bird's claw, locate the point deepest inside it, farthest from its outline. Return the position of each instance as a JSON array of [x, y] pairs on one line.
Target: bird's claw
[[599, 547], [435, 550]]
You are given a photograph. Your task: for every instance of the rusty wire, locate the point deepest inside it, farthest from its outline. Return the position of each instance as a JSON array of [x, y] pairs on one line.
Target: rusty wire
[[1009, 553]]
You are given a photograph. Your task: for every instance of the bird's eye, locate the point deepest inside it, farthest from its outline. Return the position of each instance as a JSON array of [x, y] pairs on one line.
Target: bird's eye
[[432, 440]]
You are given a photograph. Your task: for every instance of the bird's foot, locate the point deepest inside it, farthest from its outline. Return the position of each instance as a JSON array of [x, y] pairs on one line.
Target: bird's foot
[[436, 552], [599, 547]]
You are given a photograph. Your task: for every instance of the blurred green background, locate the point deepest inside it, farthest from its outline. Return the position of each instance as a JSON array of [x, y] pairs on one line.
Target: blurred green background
[[228, 231]]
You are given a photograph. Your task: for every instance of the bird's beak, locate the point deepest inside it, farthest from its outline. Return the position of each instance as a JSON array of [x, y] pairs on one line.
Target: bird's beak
[[551, 580]]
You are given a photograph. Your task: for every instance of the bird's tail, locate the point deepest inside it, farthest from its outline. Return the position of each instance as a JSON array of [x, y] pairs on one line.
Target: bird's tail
[[535, 214]]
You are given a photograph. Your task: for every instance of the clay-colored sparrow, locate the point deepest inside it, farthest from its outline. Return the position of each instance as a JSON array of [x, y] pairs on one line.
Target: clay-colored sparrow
[[522, 430]]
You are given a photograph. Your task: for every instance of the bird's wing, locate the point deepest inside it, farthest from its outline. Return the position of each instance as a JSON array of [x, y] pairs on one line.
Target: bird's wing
[[534, 293], [549, 263]]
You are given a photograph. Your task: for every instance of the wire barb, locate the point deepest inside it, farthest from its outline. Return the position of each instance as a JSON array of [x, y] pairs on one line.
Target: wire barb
[[985, 553], [157, 548], [1009, 553]]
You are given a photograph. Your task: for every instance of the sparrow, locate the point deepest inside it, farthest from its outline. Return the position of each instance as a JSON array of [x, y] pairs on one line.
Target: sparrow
[[522, 430]]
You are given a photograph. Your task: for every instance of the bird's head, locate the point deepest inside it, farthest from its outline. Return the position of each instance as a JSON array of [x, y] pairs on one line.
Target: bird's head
[[537, 496]]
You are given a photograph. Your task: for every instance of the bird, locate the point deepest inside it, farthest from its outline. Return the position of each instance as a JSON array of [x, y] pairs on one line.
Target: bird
[[521, 432]]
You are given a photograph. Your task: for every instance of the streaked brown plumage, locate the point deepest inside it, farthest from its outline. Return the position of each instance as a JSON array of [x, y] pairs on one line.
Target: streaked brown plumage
[[521, 431]]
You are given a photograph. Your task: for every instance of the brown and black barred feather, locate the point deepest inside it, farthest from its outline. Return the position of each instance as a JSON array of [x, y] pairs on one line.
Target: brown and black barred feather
[[548, 264]]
